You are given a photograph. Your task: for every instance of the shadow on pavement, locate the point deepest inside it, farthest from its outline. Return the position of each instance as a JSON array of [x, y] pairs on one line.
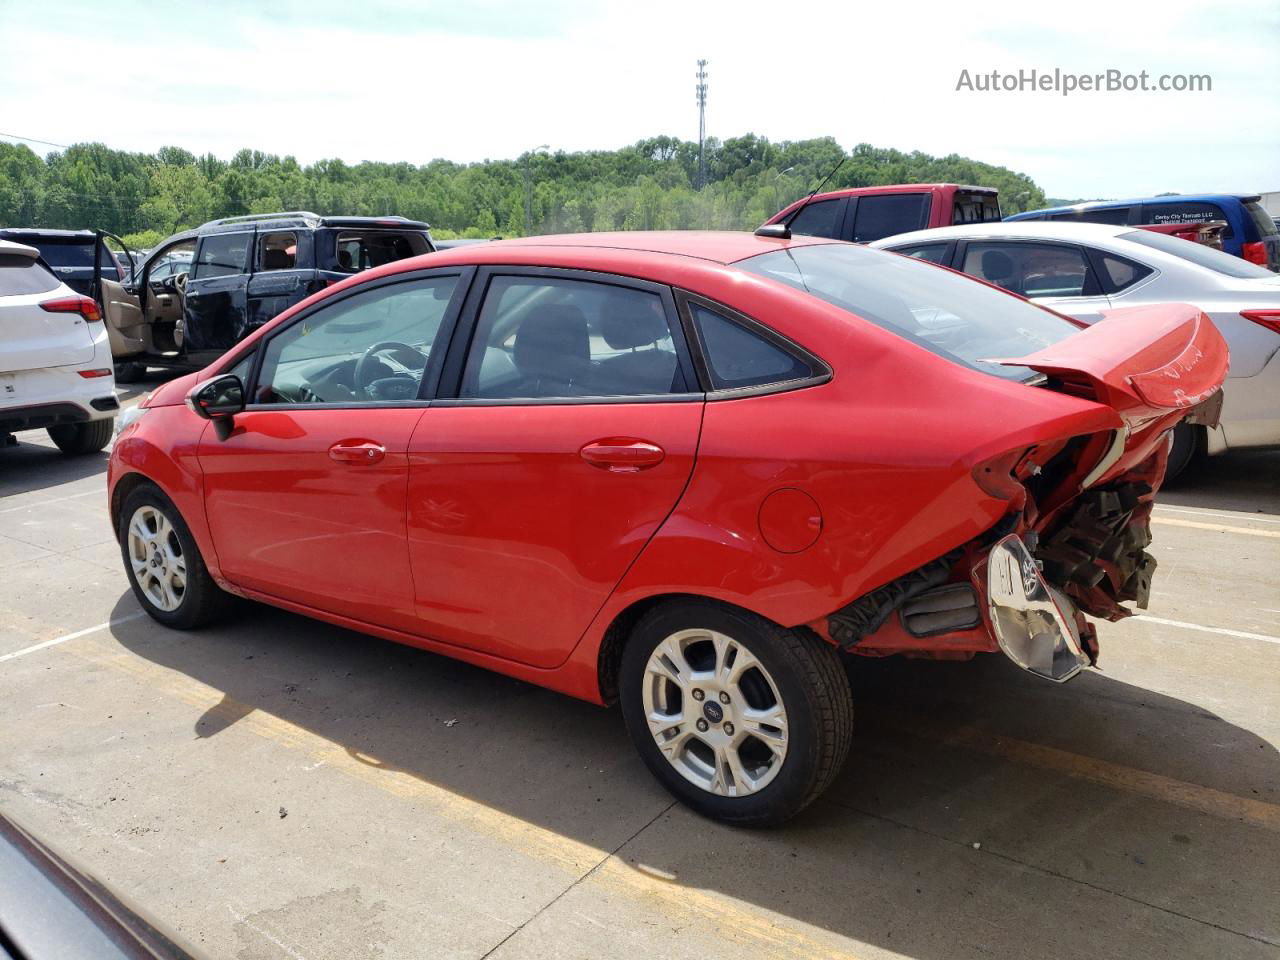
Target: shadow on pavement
[[1092, 804]]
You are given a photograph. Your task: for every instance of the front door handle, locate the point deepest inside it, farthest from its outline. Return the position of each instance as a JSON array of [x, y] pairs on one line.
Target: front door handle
[[622, 454], [357, 451]]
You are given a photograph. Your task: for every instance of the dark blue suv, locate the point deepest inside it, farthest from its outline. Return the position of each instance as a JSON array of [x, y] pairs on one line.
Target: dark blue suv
[[1250, 233]]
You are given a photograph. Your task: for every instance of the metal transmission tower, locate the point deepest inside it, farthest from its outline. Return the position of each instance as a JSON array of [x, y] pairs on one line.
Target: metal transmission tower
[[702, 123]]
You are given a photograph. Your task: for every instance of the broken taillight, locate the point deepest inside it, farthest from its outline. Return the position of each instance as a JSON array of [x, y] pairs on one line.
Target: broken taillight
[[1267, 318]]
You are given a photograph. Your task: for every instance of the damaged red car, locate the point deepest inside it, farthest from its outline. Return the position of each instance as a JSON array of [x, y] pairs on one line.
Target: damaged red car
[[688, 472]]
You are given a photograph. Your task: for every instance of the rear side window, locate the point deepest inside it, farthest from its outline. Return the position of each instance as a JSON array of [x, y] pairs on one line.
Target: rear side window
[[1261, 219], [76, 254], [1122, 273], [1185, 211], [739, 357], [278, 251], [222, 255], [933, 252], [819, 219], [883, 216], [1116, 216], [543, 337], [20, 276]]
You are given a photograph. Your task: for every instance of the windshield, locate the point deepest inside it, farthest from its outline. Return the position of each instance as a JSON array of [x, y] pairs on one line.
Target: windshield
[[1199, 254], [945, 312]]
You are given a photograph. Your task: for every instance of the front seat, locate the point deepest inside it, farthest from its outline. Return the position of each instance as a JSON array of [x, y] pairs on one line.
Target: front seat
[[552, 353], [997, 268], [628, 322], [274, 259]]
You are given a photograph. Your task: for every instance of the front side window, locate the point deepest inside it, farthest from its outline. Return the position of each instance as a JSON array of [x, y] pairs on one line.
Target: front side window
[[541, 337], [818, 219], [1030, 269], [278, 251], [740, 357], [933, 252], [941, 311], [371, 347], [222, 255], [883, 216]]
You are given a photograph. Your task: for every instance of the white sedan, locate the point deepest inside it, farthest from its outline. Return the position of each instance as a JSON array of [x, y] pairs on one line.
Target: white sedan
[[55, 363], [1086, 269]]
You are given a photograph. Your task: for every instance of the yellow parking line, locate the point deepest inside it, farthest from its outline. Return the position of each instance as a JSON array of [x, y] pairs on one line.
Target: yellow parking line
[[746, 924], [1219, 527], [1216, 803]]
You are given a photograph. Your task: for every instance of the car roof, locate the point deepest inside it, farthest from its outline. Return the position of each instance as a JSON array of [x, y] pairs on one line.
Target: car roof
[[1167, 198], [18, 249], [47, 234], [304, 219], [1070, 231], [718, 246]]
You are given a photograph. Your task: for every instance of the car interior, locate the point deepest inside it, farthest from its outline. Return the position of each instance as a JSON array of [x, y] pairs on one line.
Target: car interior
[[358, 250]]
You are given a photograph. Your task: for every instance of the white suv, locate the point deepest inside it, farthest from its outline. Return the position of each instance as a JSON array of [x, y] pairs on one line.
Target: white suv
[[55, 362]]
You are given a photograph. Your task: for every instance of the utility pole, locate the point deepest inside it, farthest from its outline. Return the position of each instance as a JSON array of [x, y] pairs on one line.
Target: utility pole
[[528, 188], [702, 123]]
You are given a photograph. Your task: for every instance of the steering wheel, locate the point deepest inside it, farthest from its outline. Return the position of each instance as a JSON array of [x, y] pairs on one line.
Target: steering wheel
[[180, 282], [365, 373]]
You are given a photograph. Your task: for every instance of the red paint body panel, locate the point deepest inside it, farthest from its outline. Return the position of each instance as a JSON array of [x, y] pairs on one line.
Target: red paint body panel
[[290, 521], [486, 533], [517, 540]]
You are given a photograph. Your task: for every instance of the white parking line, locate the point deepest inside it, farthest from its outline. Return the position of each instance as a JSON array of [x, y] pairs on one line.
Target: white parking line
[[70, 636], [1221, 514], [1195, 626], [45, 503]]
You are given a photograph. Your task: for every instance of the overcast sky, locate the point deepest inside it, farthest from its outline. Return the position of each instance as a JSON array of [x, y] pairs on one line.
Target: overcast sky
[[474, 79]]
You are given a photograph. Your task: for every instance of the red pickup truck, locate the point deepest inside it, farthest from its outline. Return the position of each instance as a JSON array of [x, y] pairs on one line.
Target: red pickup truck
[[864, 214]]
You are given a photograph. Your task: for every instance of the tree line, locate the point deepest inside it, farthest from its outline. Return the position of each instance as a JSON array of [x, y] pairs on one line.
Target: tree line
[[650, 185]]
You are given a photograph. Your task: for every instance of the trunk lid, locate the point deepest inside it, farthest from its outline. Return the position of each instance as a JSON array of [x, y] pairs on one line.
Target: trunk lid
[[1144, 362]]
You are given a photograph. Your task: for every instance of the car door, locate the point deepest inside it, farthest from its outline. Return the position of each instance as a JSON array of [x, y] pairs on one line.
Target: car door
[[305, 498], [282, 267], [1057, 275], [569, 435], [215, 311]]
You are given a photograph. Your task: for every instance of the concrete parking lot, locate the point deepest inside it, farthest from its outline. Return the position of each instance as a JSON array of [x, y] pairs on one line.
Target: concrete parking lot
[[279, 789]]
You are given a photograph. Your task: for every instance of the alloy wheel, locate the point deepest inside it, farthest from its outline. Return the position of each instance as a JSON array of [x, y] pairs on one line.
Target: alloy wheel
[[155, 554]]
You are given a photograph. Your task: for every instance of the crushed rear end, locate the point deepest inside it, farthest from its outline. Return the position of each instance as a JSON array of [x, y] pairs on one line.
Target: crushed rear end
[[1073, 539]]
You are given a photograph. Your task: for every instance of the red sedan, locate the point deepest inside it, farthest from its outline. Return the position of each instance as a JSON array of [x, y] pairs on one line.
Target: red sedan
[[681, 471]]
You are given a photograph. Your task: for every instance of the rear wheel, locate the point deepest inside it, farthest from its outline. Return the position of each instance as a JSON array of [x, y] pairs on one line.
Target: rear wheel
[[78, 438], [163, 563], [130, 372], [1188, 442], [742, 720]]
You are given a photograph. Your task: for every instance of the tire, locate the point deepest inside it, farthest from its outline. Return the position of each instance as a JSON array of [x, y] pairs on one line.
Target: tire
[[1188, 443], [791, 669], [75, 439], [129, 371], [199, 601]]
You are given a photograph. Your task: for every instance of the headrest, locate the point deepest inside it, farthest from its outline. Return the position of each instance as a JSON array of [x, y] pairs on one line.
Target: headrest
[[632, 320], [273, 259], [996, 263], [553, 342]]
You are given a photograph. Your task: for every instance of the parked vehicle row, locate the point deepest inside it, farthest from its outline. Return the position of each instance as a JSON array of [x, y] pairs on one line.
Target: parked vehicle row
[[1085, 270]]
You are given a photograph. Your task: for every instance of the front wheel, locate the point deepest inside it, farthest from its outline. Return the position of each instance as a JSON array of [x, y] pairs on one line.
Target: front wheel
[[1188, 445], [742, 720], [163, 563], [74, 439]]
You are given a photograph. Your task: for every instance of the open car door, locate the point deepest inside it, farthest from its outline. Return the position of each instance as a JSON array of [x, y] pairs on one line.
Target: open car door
[[120, 305]]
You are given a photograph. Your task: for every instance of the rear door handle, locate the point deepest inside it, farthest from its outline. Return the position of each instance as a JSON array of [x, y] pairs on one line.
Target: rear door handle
[[622, 454], [357, 451]]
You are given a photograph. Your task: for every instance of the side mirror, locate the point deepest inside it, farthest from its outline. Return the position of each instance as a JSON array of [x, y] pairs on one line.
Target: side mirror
[[219, 400]]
